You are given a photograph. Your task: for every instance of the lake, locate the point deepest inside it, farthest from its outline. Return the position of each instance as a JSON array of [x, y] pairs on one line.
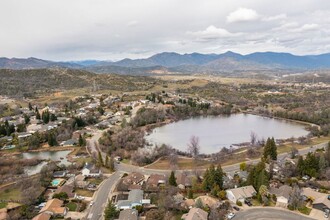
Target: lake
[[45, 155], [215, 132]]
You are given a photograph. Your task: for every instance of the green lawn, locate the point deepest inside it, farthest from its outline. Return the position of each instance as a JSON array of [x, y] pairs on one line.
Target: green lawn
[[72, 206], [10, 194], [3, 205], [305, 210], [96, 181]]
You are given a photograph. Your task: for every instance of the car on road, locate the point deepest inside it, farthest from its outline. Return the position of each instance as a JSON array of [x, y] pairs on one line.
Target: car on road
[[236, 208], [230, 215], [92, 202]]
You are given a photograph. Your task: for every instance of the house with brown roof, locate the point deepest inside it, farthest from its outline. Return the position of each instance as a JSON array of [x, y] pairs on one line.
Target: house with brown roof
[[183, 180], [154, 181], [128, 214], [42, 216], [67, 189], [54, 208], [195, 214], [282, 195], [241, 193], [320, 200], [133, 178]]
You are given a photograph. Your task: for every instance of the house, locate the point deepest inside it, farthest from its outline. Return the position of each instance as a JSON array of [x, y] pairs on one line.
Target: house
[[54, 207], [128, 214], [90, 170], [80, 182], [195, 214], [241, 193], [282, 194], [320, 200], [42, 216], [67, 189], [23, 135], [135, 198], [154, 181], [59, 174], [70, 142], [133, 178], [183, 180]]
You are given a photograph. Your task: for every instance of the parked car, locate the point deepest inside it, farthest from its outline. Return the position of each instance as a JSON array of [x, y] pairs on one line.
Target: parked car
[[248, 202], [236, 208], [230, 215], [326, 213], [92, 202]]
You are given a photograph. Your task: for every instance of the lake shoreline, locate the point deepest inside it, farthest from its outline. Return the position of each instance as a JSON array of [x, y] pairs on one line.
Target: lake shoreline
[[150, 129]]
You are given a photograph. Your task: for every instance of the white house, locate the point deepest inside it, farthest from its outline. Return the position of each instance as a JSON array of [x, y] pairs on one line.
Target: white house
[[135, 198], [90, 170], [241, 193]]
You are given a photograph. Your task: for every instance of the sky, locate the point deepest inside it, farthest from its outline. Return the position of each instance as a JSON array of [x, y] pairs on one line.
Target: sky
[[65, 30]]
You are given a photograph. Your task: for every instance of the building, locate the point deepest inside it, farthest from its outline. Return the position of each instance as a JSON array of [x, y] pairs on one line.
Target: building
[[282, 195], [54, 207], [67, 189], [195, 214], [154, 181], [133, 178], [241, 193], [90, 170], [320, 200], [135, 198], [59, 174], [42, 216], [183, 180], [128, 214]]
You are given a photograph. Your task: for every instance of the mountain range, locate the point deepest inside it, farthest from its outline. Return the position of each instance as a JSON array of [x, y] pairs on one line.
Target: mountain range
[[168, 62]]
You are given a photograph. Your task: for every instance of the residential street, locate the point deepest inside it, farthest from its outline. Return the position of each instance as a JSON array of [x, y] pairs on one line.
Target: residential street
[[265, 213], [101, 196]]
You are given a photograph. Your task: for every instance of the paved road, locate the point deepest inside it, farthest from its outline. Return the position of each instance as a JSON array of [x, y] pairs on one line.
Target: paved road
[[102, 195], [268, 214]]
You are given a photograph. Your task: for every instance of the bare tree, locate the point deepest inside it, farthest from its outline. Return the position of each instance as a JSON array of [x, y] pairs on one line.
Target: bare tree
[[293, 152], [296, 199], [253, 138], [173, 159], [193, 147]]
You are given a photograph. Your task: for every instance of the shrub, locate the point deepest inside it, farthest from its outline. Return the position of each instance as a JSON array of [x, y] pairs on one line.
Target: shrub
[[239, 203]]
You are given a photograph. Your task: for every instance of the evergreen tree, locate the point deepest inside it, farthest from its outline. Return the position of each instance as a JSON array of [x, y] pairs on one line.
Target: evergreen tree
[[111, 212], [26, 119], [172, 179], [82, 141], [38, 114], [270, 149], [45, 117], [111, 164], [301, 166], [53, 117], [30, 106], [52, 139], [190, 194], [100, 160]]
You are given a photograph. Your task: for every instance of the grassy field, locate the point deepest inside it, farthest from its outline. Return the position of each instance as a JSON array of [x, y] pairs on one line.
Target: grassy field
[[84, 192], [10, 194], [183, 163], [3, 205]]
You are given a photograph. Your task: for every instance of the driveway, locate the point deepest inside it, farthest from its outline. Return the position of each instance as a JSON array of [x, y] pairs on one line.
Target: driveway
[[268, 214]]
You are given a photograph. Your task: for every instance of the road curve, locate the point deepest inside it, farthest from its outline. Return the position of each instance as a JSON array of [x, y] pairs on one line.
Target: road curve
[[265, 213]]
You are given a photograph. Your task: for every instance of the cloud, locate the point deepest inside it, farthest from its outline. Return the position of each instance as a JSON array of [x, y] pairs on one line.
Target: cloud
[[212, 32], [132, 23], [275, 18], [306, 27], [242, 14]]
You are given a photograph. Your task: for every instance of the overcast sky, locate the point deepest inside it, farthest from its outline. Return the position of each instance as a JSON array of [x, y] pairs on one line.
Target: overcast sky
[[115, 29]]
